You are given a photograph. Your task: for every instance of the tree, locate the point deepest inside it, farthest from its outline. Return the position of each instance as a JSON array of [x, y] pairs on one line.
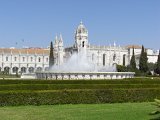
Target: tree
[[143, 67], [51, 57], [151, 66], [157, 70], [133, 61], [121, 68]]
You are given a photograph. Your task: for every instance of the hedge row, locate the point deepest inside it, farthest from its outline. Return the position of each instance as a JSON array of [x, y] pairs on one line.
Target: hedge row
[[77, 96], [124, 81], [74, 86]]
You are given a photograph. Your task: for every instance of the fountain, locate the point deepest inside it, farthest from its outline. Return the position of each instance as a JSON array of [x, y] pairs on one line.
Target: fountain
[[78, 67]]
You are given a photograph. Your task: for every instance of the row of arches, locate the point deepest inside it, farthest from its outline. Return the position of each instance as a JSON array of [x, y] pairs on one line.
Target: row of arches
[[22, 69]]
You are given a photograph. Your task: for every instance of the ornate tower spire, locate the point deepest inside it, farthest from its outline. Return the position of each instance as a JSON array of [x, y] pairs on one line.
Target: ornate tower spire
[[60, 42], [81, 37], [114, 44], [56, 39], [56, 43], [60, 38]]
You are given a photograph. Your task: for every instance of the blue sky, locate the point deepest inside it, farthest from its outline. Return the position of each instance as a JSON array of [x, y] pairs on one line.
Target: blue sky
[[35, 23]]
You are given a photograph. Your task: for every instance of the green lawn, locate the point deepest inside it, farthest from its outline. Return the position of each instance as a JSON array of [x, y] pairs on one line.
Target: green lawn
[[118, 111]]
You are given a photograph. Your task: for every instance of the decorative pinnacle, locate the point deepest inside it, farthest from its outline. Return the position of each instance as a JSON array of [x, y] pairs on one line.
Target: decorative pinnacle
[[60, 37], [81, 22], [114, 44], [56, 37]]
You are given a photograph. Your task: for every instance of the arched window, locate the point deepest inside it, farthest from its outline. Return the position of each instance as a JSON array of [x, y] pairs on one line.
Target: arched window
[[15, 69], [6, 70], [92, 57], [31, 70], [114, 57], [83, 44], [104, 59], [124, 60], [23, 70], [39, 69], [46, 68]]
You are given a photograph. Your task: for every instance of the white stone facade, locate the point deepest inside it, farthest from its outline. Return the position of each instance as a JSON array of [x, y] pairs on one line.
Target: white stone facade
[[23, 60], [100, 55], [35, 59]]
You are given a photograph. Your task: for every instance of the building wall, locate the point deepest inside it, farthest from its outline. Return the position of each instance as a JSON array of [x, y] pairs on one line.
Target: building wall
[[26, 63]]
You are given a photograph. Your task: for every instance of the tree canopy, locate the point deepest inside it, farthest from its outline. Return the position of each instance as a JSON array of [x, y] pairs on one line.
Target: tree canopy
[[51, 57], [143, 67], [157, 70], [133, 61]]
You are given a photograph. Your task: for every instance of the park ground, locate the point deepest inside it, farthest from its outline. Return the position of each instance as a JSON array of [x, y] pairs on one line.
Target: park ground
[[116, 111]]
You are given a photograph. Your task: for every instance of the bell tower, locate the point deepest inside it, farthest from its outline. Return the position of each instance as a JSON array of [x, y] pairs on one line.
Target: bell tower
[[81, 37]]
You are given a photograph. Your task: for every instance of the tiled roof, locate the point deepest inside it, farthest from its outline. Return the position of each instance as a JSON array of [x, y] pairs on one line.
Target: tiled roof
[[135, 46], [24, 51]]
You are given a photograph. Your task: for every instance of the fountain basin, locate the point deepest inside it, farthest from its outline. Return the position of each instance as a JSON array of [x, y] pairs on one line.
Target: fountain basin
[[83, 75]]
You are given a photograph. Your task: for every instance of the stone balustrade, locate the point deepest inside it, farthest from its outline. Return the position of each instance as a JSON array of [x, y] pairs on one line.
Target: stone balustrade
[[83, 75]]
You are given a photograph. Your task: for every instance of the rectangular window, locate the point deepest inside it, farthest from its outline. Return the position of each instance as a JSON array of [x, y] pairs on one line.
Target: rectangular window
[[15, 58], [6, 58], [23, 59], [46, 59], [31, 59], [39, 59]]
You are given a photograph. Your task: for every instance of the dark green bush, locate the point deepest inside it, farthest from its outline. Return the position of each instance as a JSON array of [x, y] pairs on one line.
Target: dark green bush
[[77, 96], [73, 86], [45, 92], [124, 81]]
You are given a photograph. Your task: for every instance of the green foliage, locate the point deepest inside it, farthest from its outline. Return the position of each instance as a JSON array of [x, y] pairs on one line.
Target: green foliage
[[151, 66], [34, 87], [46, 92], [121, 81], [116, 111], [46, 97], [121, 68], [143, 67], [157, 112], [157, 69], [133, 61], [51, 57], [124, 81]]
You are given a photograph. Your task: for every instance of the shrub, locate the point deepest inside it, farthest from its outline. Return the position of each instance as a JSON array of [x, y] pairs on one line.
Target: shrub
[[157, 112], [34, 87], [86, 96], [44, 92]]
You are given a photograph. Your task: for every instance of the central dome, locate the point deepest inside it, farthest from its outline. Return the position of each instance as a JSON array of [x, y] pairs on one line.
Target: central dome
[[81, 28]]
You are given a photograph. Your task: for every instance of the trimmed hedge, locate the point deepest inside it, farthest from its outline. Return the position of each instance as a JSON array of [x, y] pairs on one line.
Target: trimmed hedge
[[73, 86], [45, 92], [123, 81], [77, 96]]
